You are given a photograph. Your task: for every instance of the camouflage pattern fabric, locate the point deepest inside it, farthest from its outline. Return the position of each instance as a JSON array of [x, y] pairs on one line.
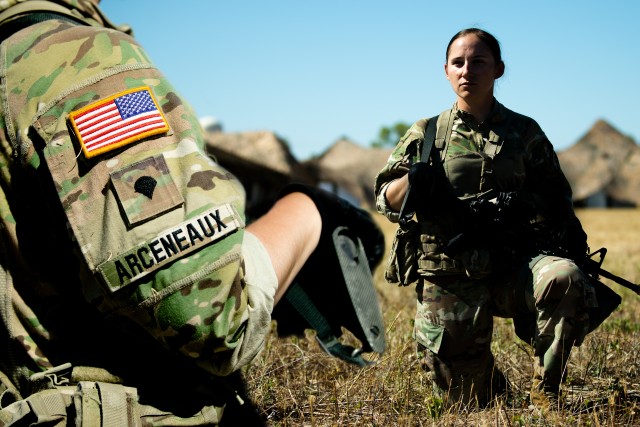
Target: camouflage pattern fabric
[[456, 303], [454, 325], [96, 404], [531, 160], [561, 294], [148, 232], [86, 6], [86, 9], [453, 328]]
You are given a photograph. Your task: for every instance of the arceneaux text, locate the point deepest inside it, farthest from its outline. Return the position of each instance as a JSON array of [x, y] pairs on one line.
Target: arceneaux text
[[170, 245]]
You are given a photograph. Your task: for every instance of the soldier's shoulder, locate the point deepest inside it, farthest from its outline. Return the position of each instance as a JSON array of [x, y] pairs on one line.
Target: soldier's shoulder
[[524, 123], [416, 130], [514, 116]]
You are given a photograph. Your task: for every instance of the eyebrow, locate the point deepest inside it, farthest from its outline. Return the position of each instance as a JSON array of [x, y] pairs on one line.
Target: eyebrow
[[480, 55]]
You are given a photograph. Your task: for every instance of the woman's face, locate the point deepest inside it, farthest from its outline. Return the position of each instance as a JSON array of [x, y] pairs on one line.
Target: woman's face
[[472, 70]]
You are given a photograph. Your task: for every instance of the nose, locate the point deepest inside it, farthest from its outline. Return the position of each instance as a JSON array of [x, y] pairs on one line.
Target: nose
[[466, 69]]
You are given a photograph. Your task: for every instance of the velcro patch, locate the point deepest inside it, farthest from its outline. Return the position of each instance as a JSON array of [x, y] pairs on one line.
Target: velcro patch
[[145, 190], [169, 245], [117, 121]]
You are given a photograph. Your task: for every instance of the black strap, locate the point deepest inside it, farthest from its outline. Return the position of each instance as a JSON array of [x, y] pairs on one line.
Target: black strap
[[7, 29], [427, 147], [325, 337]]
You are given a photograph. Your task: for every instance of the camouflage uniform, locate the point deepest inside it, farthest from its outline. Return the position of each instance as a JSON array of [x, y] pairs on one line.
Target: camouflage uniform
[[457, 297], [116, 248]]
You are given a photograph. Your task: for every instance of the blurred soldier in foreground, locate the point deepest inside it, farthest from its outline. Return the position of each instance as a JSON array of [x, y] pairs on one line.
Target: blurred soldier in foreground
[[131, 288]]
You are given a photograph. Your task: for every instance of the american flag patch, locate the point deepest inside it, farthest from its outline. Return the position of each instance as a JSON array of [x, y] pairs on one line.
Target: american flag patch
[[117, 121]]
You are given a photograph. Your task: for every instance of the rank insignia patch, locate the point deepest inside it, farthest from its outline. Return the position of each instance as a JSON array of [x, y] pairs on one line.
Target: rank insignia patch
[[145, 190], [117, 121]]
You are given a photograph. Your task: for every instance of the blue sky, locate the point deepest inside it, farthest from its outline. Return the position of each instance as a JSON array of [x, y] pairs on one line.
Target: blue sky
[[315, 71]]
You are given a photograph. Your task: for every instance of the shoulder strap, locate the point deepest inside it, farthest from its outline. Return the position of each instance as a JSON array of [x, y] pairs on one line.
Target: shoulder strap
[[23, 15], [497, 137], [445, 121], [36, 6], [27, 13], [429, 138], [427, 147]]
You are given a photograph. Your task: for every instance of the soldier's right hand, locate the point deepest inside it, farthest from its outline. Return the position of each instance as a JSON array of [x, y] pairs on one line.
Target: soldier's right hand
[[429, 185], [421, 179]]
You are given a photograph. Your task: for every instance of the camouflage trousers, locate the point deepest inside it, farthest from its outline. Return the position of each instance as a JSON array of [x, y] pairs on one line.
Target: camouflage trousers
[[547, 297]]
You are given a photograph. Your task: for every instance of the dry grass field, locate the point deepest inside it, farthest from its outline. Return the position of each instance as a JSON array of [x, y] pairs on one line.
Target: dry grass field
[[295, 384]]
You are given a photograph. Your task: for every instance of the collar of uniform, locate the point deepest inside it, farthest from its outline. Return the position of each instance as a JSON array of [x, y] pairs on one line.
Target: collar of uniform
[[464, 116], [496, 115]]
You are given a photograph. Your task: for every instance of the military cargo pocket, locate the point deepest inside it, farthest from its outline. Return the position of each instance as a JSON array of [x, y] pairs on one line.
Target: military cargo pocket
[[426, 332], [433, 260], [98, 404], [429, 335]]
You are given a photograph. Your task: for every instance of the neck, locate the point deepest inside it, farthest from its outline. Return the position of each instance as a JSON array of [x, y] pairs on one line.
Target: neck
[[479, 110]]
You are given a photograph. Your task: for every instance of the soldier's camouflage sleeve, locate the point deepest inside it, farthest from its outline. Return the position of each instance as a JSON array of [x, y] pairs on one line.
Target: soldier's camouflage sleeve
[[156, 225], [551, 194], [545, 183], [405, 154]]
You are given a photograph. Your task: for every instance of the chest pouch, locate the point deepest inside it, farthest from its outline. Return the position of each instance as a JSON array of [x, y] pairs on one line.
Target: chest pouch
[[470, 172]]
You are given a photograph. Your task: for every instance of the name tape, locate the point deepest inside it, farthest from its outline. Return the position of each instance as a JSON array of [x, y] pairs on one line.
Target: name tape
[[169, 245]]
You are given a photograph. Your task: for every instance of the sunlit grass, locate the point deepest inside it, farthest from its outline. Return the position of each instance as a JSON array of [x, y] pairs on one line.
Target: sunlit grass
[[295, 384]]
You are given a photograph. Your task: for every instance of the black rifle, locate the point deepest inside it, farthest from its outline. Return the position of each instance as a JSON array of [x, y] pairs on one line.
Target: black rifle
[[594, 268], [508, 224], [505, 220]]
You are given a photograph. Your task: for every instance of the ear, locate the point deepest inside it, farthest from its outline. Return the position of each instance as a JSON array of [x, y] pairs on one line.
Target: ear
[[446, 71], [500, 70]]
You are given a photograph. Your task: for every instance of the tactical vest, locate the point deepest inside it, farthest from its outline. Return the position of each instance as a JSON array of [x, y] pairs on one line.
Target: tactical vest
[[472, 173], [156, 224]]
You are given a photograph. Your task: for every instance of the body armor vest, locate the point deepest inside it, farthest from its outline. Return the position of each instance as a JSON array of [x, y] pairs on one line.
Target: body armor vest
[[474, 168]]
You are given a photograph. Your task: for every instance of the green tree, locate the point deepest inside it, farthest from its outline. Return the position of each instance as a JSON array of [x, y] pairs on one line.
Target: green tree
[[388, 136]]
